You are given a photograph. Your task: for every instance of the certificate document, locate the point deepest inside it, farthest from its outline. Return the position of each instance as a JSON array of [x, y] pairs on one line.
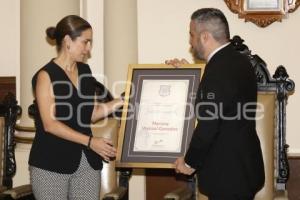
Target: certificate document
[[263, 4], [161, 116]]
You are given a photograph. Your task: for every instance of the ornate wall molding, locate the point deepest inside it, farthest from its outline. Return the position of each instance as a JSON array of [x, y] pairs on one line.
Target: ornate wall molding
[[262, 17]]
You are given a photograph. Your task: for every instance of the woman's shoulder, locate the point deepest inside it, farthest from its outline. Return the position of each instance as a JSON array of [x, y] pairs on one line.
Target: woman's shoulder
[[47, 67], [43, 71]]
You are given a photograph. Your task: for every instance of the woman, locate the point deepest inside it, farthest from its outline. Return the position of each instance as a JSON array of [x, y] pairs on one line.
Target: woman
[[65, 159]]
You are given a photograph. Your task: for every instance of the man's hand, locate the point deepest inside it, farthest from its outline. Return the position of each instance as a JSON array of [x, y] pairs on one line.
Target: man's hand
[[176, 62], [181, 167]]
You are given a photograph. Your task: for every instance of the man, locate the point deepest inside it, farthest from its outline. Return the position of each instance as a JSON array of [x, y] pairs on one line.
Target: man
[[225, 150]]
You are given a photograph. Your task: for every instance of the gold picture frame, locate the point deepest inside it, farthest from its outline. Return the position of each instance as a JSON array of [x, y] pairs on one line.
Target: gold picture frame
[[157, 120], [262, 12]]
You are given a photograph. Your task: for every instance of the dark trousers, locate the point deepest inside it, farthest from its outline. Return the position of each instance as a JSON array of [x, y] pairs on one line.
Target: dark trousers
[[233, 197]]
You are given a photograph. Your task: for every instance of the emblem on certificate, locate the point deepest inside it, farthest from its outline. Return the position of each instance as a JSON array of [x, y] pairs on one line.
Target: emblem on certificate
[[164, 90]]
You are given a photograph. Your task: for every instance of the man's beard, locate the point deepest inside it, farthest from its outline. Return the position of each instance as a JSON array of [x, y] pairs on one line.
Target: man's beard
[[198, 53]]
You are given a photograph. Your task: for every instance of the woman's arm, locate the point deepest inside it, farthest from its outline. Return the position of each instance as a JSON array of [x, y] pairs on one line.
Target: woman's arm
[[46, 105], [102, 110]]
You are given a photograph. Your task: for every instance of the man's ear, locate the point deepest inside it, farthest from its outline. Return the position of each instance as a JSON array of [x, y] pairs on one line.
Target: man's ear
[[205, 36]]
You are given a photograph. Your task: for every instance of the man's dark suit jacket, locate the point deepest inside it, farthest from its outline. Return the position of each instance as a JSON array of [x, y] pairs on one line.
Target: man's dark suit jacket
[[225, 149]]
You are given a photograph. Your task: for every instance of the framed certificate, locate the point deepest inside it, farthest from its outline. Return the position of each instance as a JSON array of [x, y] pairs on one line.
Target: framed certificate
[[158, 117], [262, 12], [264, 5]]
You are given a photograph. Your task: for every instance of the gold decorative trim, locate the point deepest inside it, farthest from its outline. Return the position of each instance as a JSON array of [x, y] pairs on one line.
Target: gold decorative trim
[[261, 18], [24, 139], [25, 128], [297, 4]]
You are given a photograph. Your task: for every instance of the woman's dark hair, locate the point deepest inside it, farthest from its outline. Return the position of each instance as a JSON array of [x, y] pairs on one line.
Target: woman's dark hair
[[71, 25]]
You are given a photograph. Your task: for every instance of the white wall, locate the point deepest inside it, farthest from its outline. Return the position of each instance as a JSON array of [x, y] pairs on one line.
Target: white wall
[[92, 11], [9, 35], [10, 40], [163, 32]]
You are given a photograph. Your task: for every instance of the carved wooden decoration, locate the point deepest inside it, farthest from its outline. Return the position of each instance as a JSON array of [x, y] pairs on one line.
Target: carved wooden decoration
[[283, 86], [254, 11]]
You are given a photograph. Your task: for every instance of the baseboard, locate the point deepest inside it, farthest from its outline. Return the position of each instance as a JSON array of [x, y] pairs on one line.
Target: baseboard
[[294, 153]]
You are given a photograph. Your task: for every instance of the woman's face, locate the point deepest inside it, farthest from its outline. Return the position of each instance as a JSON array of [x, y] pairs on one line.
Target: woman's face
[[81, 46]]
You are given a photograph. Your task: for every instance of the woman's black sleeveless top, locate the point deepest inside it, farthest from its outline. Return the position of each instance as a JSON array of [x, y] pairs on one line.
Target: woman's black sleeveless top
[[73, 107]]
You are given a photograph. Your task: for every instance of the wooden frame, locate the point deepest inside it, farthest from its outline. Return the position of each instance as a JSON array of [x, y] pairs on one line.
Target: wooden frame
[[158, 108], [7, 84], [10, 111], [262, 12]]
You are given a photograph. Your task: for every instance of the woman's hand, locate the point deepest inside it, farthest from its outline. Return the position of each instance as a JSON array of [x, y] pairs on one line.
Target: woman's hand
[[176, 62], [103, 147]]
